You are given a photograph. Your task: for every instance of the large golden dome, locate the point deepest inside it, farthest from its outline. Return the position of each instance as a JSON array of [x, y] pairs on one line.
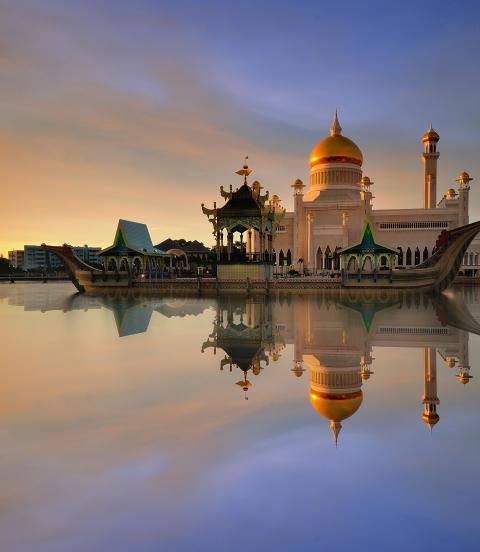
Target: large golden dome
[[336, 406], [336, 148]]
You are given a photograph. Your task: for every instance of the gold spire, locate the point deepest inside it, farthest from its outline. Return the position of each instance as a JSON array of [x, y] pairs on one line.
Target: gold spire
[[335, 427], [244, 171], [335, 129]]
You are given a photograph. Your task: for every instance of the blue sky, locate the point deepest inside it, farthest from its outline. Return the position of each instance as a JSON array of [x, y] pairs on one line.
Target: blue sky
[[141, 110]]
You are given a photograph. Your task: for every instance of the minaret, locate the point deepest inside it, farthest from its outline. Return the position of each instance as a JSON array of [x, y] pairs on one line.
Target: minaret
[[463, 193], [430, 156], [430, 398], [298, 224]]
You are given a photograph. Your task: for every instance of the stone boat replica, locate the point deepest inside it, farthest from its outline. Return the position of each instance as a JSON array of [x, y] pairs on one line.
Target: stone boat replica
[[433, 275]]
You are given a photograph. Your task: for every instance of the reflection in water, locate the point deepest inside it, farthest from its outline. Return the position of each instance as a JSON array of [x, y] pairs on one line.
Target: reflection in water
[[124, 424], [334, 335]]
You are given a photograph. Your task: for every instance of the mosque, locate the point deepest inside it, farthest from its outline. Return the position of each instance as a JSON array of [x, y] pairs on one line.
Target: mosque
[[331, 214]]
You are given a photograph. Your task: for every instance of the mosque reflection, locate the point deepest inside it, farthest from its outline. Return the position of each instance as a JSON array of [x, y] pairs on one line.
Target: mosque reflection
[[333, 338]]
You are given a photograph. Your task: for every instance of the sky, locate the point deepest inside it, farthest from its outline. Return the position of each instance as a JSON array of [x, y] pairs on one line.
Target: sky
[[142, 109]]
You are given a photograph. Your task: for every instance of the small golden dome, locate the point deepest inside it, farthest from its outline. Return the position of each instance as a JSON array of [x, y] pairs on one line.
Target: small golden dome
[[464, 176], [451, 193], [431, 419], [451, 362], [336, 149], [430, 136], [336, 406]]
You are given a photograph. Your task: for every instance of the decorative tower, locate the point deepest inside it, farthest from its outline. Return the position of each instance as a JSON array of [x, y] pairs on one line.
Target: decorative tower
[[430, 156], [298, 228], [430, 398], [366, 195], [463, 193]]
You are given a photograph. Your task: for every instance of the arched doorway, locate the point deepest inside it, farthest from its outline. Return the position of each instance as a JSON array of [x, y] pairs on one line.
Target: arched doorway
[[289, 257], [352, 265], [367, 264], [137, 265], [425, 254], [112, 264], [124, 267], [319, 259], [417, 256], [328, 258], [408, 257], [400, 256]]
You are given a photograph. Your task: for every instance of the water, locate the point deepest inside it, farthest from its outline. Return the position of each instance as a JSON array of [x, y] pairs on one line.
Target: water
[[121, 429]]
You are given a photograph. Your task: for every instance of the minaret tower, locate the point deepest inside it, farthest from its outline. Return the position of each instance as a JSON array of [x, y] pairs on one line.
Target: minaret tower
[[430, 398], [463, 180], [430, 156], [298, 228]]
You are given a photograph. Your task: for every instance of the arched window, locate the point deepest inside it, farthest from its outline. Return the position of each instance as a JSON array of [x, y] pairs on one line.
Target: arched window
[[400, 256], [408, 260], [383, 260], [328, 258], [319, 259], [289, 258], [471, 259], [425, 254], [112, 264], [281, 258], [352, 265], [417, 256], [336, 259], [124, 265]]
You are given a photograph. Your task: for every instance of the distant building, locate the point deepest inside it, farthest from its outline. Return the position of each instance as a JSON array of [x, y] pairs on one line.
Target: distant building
[[33, 257], [186, 255], [190, 248], [16, 258]]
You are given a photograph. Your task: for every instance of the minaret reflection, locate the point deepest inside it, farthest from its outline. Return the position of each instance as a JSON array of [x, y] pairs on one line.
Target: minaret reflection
[[333, 338], [430, 398], [243, 330]]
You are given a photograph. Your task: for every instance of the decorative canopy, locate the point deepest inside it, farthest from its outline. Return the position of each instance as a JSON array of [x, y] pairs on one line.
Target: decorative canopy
[[131, 238], [367, 244]]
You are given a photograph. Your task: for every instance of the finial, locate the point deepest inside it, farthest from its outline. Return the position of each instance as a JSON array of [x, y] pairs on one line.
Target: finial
[[244, 171], [335, 128], [335, 428]]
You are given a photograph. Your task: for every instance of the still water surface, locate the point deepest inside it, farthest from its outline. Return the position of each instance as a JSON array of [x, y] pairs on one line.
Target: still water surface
[[171, 424]]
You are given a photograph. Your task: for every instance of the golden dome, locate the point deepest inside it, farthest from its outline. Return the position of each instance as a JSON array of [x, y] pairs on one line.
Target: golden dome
[[336, 148], [464, 177], [336, 406], [430, 135], [431, 418], [451, 193], [451, 362]]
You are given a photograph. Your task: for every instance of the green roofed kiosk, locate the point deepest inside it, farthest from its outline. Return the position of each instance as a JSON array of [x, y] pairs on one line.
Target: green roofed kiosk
[[132, 250], [367, 259]]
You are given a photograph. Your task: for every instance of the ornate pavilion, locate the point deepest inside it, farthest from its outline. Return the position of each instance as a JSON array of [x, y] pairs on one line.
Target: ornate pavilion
[[246, 211]]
